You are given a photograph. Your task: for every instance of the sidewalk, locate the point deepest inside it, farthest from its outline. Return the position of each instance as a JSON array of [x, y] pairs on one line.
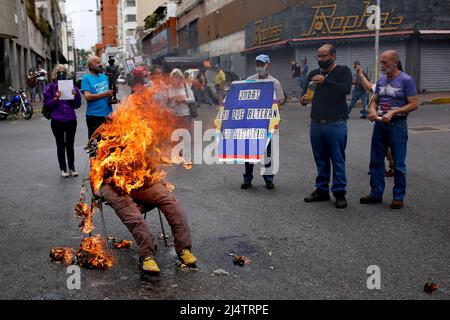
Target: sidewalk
[[424, 98], [37, 106], [434, 98]]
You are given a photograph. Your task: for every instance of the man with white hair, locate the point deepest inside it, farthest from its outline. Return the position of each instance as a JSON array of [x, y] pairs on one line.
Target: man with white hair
[[395, 97]]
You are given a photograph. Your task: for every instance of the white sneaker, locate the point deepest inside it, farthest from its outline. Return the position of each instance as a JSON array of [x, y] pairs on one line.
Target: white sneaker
[[64, 174], [73, 173]]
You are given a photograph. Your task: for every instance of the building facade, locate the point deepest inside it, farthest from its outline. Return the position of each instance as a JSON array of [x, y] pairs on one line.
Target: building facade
[[417, 31]]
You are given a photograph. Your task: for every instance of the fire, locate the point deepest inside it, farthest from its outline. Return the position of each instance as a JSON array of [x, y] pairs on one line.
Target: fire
[[124, 244], [91, 254], [63, 254], [84, 211], [134, 144]]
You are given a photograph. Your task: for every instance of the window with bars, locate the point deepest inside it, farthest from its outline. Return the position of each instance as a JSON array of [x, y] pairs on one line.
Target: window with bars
[[130, 18]]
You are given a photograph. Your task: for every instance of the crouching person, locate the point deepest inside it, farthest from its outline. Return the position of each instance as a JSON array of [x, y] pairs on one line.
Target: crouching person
[[153, 196]]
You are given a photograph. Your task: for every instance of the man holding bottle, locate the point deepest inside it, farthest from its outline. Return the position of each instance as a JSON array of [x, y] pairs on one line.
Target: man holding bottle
[[331, 84]]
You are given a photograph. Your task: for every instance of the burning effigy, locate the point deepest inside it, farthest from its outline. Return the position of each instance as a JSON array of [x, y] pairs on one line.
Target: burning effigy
[[134, 145], [128, 155]]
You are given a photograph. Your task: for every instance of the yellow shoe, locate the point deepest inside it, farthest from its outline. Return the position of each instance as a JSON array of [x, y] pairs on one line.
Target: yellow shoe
[[187, 257], [148, 265]]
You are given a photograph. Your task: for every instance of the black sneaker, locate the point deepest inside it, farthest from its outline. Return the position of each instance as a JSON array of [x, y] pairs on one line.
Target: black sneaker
[[246, 185], [318, 196], [341, 202], [270, 185]]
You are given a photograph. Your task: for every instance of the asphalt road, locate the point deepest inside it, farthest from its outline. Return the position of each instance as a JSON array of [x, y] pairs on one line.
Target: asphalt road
[[297, 250]]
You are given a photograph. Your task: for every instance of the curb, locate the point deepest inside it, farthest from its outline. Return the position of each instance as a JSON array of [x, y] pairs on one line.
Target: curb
[[442, 100]]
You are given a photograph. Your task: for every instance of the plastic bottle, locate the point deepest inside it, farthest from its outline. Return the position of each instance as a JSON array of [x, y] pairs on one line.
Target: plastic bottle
[[310, 92]]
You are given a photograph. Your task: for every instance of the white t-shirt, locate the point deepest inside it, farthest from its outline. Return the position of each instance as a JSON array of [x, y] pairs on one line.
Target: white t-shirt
[[180, 109], [42, 75], [278, 89]]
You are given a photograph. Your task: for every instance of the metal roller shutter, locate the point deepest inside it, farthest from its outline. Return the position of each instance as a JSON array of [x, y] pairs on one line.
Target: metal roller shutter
[[435, 69], [280, 67]]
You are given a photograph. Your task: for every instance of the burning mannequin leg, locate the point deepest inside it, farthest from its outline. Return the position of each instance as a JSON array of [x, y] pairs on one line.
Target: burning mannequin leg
[[127, 210], [156, 195]]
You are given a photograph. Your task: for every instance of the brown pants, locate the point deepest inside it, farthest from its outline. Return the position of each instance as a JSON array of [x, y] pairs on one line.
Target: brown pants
[[153, 196]]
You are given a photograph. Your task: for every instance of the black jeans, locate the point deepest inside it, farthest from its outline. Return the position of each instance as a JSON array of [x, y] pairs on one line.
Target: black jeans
[[93, 123], [248, 174], [64, 133]]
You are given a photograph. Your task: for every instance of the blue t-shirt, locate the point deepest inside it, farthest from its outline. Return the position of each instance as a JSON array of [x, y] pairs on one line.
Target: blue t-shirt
[[96, 85], [393, 93]]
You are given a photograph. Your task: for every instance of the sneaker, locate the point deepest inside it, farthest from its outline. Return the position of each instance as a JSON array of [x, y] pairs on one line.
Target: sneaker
[[270, 185], [246, 185], [149, 266], [65, 174], [369, 200], [341, 202], [186, 257], [397, 204], [73, 173], [318, 196]]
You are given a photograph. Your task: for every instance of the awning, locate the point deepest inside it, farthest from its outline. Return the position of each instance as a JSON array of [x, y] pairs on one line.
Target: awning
[[434, 34], [272, 45], [394, 35]]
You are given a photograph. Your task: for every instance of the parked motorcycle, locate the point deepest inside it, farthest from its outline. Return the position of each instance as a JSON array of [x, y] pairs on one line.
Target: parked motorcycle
[[18, 103]]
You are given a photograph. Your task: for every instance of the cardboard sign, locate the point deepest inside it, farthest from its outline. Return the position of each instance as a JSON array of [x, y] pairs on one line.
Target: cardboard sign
[[246, 122]]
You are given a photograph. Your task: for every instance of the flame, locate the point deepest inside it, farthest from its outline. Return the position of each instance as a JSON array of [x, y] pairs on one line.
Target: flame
[[91, 254], [124, 244], [134, 144], [62, 254], [84, 211]]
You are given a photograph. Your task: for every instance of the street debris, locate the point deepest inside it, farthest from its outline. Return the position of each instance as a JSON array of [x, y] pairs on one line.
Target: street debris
[[241, 260], [64, 255], [123, 244], [430, 287], [220, 272]]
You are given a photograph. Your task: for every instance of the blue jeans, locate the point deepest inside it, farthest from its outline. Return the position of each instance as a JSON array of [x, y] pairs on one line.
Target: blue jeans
[[248, 174], [395, 136], [296, 87], [328, 141], [359, 94]]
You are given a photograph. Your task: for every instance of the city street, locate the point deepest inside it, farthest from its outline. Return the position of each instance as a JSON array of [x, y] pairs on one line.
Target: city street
[[297, 250]]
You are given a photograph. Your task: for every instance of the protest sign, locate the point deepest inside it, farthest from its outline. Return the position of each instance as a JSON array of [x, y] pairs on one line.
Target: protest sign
[[246, 122]]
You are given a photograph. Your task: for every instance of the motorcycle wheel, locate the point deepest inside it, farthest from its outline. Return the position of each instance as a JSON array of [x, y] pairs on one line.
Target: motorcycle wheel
[[28, 113], [3, 116]]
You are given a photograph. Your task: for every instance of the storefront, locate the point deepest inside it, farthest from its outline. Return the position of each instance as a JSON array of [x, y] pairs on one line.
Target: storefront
[[162, 42], [421, 38]]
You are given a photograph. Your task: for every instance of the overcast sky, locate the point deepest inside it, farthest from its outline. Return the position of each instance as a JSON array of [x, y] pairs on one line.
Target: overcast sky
[[84, 23]]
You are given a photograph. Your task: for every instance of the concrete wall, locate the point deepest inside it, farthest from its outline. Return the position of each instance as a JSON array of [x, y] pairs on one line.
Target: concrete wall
[[229, 44], [8, 25]]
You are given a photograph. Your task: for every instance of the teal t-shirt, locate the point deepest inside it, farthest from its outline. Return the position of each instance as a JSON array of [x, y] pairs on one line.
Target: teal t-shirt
[[96, 85]]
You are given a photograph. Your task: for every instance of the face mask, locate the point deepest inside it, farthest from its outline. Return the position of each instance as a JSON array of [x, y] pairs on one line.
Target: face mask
[[261, 71], [97, 70], [61, 76], [325, 64]]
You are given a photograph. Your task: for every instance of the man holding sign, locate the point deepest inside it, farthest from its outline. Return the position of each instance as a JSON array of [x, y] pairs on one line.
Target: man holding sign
[[248, 119]]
